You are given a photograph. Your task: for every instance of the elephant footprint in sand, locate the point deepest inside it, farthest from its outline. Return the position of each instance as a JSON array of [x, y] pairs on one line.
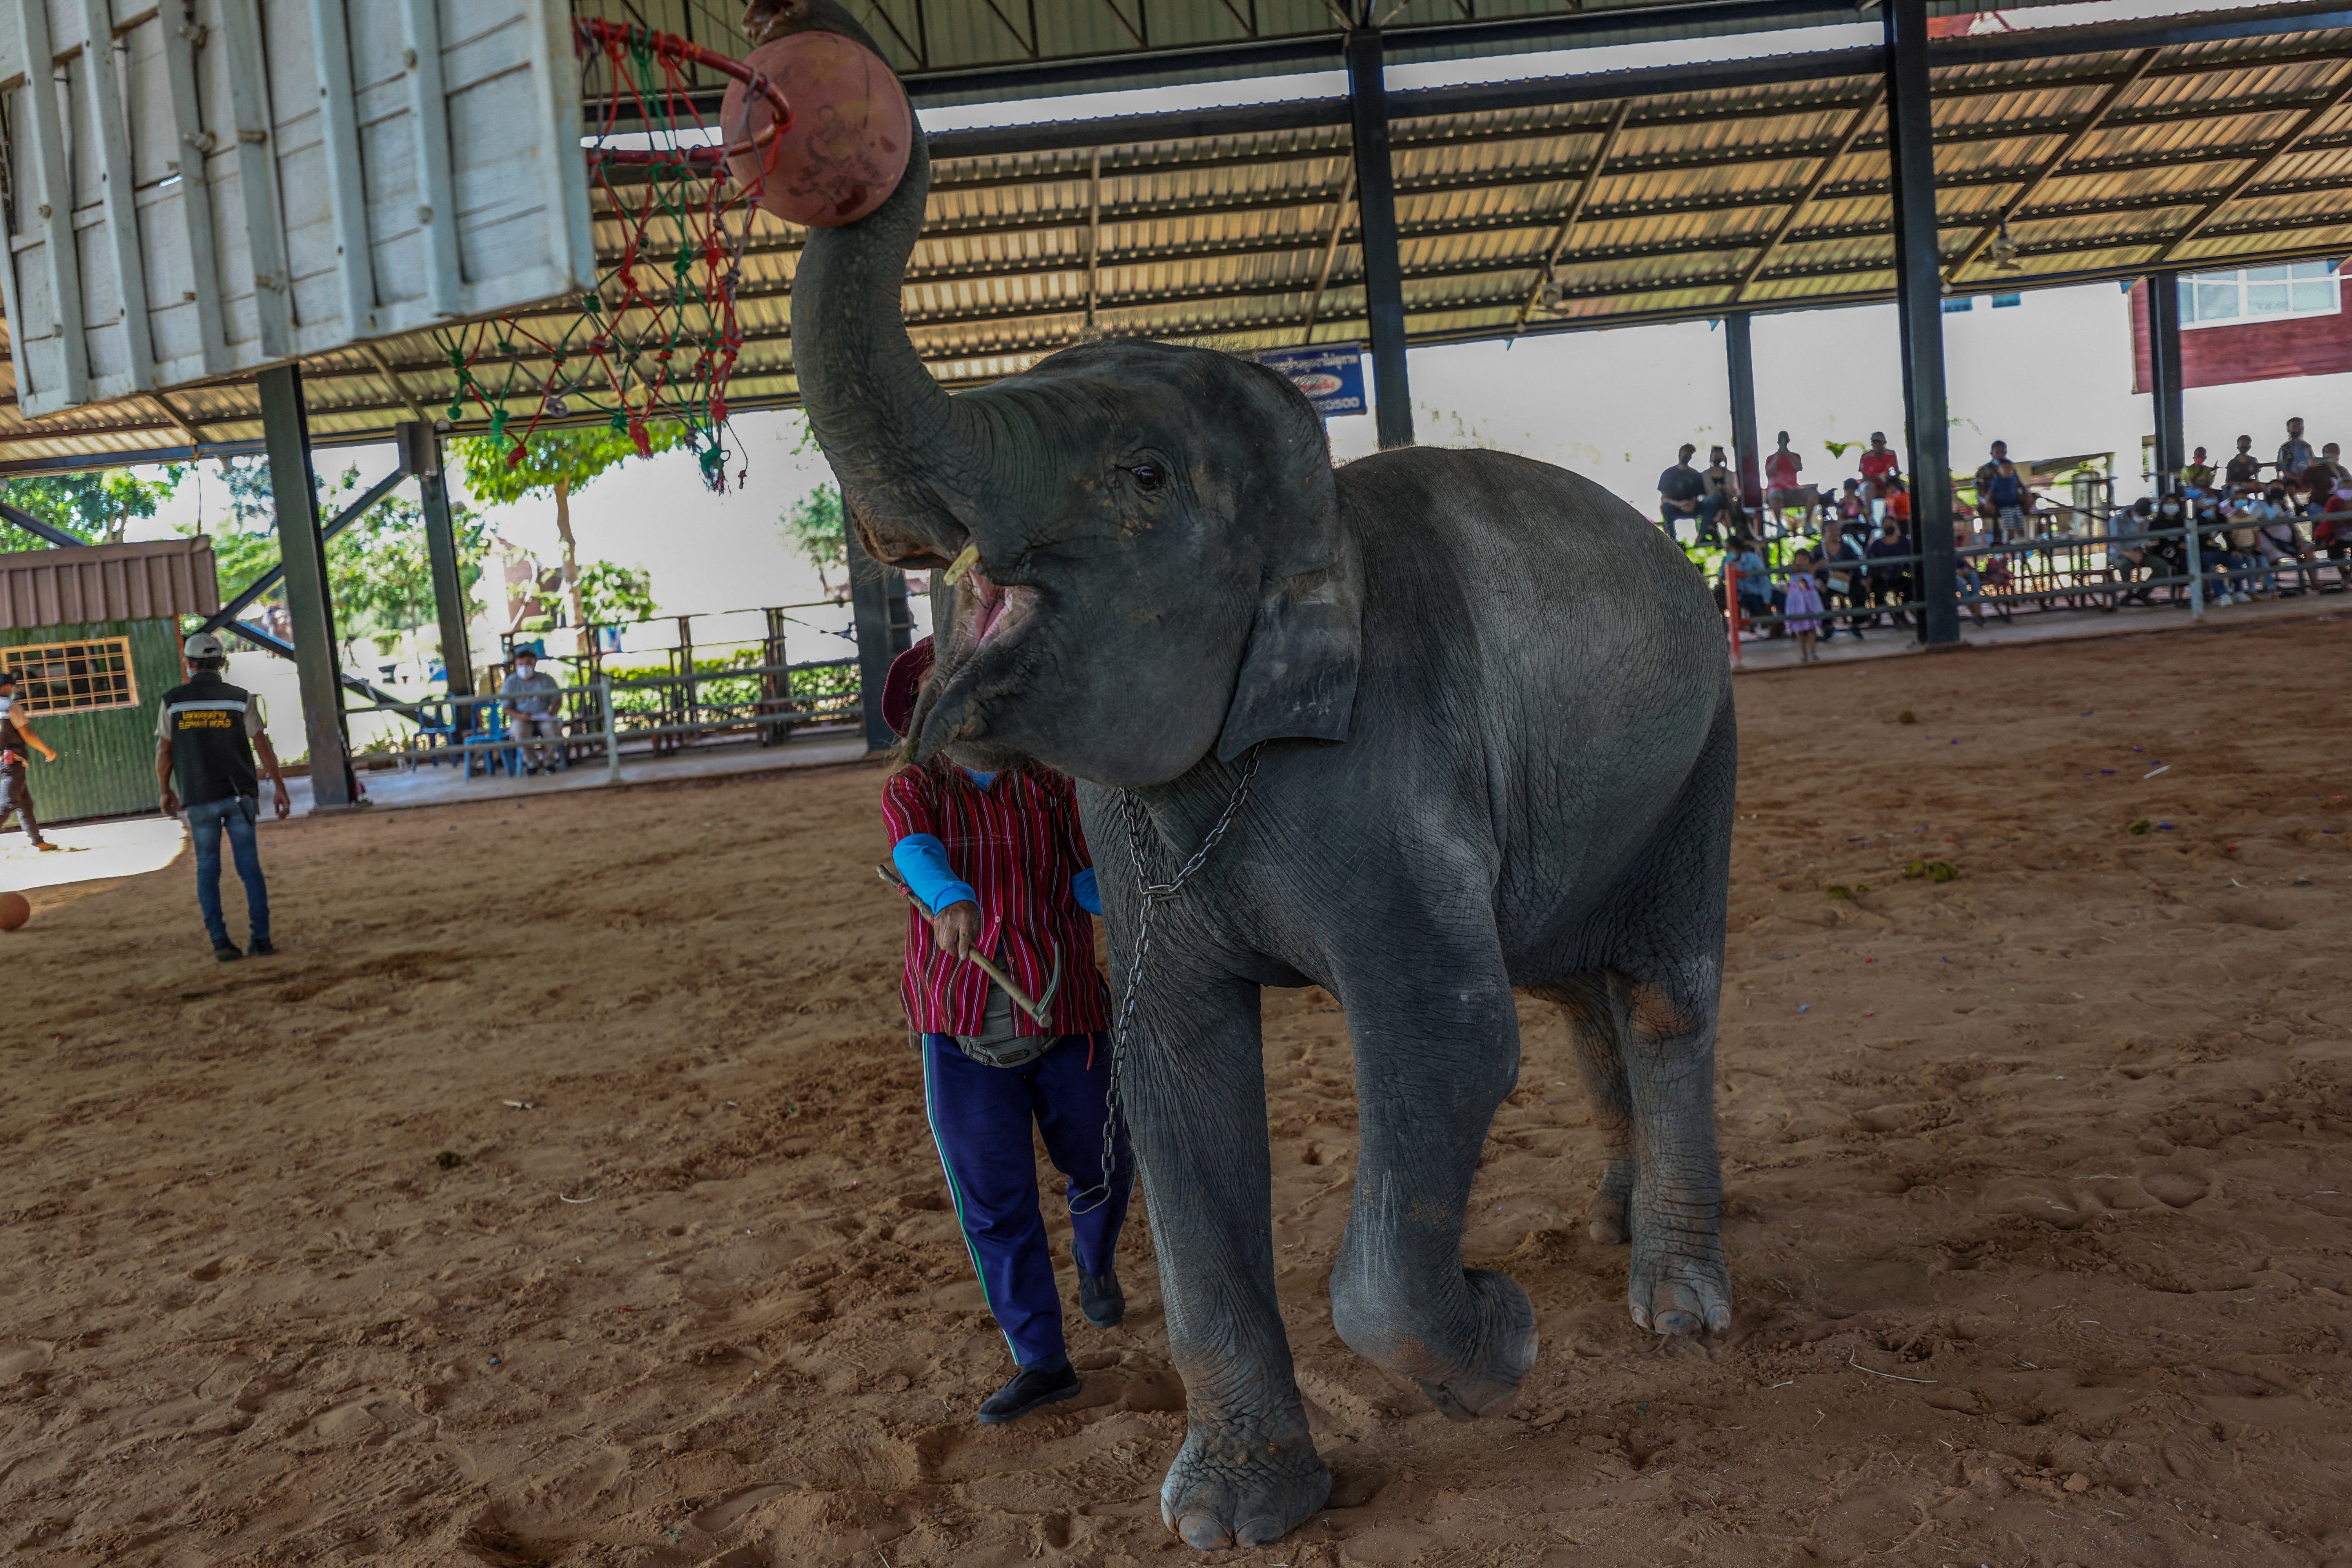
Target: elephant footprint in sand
[[1484, 715]]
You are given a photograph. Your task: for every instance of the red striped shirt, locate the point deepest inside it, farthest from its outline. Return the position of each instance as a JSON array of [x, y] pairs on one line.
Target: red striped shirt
[[1017, 843]]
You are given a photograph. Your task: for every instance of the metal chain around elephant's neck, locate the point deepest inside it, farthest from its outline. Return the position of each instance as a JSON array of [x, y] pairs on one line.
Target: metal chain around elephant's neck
[[1139, 838]]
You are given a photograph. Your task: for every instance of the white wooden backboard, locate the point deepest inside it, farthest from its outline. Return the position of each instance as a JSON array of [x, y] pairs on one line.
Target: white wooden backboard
[[216, 186]]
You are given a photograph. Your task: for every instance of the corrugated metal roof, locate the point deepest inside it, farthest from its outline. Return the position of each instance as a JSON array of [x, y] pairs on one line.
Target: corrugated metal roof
[[107, 582], [1659, 194]]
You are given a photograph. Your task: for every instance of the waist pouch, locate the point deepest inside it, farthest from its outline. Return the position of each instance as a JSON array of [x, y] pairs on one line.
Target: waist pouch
[[996, 1045]]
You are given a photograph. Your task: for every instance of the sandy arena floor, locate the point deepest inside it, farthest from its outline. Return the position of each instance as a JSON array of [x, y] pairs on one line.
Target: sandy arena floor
[[562, 1194]]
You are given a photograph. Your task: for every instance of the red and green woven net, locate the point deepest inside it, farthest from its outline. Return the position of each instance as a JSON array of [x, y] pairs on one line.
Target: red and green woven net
[[657, 339]]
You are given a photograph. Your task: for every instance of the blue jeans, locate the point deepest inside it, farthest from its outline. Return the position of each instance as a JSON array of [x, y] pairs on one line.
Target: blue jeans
[[238, 815], [981, 1120]]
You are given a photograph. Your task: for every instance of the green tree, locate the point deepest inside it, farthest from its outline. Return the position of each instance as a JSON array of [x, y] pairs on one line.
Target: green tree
[[95, 507], [812, 526], [615, 593], [558, 463], [378, 569]]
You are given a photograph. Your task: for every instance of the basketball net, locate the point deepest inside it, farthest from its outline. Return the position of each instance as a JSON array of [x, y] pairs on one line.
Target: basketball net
[[657, 338]]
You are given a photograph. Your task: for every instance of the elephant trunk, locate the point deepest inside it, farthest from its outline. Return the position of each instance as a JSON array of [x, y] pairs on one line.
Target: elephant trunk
[[913, 463]]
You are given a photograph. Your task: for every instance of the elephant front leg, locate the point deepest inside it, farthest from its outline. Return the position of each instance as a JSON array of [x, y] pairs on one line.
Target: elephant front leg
[[1430, 1070], [1195, 1089]]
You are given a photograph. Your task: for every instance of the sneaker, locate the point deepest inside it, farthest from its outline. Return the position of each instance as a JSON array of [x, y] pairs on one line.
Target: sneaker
[[226, 952], [1031, 1387], [45, 847], [1101, 1299], [261, 947]]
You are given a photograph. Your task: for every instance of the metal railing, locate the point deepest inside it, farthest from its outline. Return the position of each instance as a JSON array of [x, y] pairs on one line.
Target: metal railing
[[596, 717], [2099, 570]]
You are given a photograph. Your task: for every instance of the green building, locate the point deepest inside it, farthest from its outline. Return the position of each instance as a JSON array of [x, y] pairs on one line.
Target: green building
[[93, 634]]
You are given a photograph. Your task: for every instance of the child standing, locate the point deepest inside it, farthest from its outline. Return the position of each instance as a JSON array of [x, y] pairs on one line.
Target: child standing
[[1803, 609]]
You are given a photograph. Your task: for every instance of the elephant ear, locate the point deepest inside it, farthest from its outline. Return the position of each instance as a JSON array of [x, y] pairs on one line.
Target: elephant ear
[[1298, 677]]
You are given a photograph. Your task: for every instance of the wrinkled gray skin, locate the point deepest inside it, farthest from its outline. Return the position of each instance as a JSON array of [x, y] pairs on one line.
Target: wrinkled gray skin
[[1498, 751]]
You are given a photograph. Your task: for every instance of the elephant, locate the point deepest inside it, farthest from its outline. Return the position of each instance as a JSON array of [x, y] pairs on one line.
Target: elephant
[[1425, 729]]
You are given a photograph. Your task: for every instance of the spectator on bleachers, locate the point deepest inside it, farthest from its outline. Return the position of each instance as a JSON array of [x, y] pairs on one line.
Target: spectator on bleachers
[[533, 701], [1783, 492], [2327, 490], [2274, 540], [2197, 478], [1983, 485], [1879, 463], [1842, 570], [2128, 555], [1897, 498], [1854, 509], [2227, 572], [2243, 472], [1718, 502], [1890, 573], [2294, 454], [1745, 564], [1679, 488], [2010, 502]]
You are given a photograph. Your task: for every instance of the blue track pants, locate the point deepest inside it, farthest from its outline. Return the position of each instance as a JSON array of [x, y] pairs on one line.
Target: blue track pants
[[981, 1117]]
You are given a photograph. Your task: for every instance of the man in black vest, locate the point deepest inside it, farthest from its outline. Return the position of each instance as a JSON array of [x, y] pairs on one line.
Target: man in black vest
[[206, 739], [16, 734]]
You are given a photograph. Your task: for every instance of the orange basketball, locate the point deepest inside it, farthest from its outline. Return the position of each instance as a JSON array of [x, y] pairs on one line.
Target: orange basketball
[[14, 911], [846, 148]]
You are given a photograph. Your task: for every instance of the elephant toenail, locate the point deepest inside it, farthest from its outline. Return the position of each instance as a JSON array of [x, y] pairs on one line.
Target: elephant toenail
[[1203, 1534], [1718, 1319], [1678, 1323]]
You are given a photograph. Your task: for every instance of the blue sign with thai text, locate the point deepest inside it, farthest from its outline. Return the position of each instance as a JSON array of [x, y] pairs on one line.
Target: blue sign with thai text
[[1333, 378]]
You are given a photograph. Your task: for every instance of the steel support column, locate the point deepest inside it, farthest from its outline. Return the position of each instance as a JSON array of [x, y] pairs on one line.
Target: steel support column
[[1376, 215], [877, 601], [1919, 314], [309, 607], [2165, 379], [1748, 455], [420, 445]]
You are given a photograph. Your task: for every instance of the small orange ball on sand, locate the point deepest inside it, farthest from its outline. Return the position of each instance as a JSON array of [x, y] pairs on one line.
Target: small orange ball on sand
[[14, 911]]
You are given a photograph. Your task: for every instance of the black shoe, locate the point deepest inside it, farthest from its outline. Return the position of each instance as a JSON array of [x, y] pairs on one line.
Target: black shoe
[[261, 947], [226, 952], [1101, 1299], [1030, 1387]]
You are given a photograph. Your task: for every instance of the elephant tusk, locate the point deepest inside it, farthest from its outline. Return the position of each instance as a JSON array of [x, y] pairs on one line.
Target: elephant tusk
[[961, 564]]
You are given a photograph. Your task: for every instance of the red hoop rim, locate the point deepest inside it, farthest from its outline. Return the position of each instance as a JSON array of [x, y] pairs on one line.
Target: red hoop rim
[[596, 32]]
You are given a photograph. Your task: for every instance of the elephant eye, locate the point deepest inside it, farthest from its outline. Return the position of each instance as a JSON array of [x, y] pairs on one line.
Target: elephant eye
[[1148, 476]]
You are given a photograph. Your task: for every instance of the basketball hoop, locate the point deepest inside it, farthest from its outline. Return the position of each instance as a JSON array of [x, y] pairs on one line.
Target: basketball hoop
[[658, 337]]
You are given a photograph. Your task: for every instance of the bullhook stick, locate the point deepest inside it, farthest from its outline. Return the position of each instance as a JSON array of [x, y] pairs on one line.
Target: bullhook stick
[[1036, 1009]]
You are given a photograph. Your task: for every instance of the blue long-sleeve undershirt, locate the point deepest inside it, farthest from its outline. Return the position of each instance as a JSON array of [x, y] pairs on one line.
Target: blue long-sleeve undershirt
[[922, 859]]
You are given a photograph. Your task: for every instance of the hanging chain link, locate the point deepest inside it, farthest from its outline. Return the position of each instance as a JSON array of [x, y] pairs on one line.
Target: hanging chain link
[[1139, 839]]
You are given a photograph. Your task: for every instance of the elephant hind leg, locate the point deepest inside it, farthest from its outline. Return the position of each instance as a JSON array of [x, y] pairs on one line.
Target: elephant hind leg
[[1644, 1020], [1596, 1026]]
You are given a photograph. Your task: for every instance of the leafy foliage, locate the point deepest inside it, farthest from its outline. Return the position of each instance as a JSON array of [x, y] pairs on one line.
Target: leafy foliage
[[569, 461], [610, 592], [378, 569], [812, 526], [96, 507]]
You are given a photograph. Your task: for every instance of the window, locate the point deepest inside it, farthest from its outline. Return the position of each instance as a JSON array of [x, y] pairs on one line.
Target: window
[[2003, 302], [73, 677], [2259, 294], [1961, 306]]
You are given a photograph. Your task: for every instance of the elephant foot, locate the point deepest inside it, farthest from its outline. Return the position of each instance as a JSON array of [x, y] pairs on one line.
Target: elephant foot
[[1470, 1365], [1679, 1286], [1239, 1490]]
